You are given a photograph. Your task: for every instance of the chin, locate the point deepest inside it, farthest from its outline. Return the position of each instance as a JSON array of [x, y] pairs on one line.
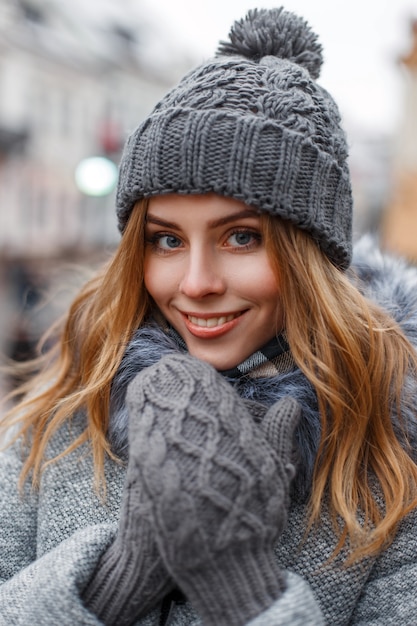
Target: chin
[[215, 361]]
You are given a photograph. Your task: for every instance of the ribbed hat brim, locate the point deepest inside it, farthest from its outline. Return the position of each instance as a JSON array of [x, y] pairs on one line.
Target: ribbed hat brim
[[258, 161]]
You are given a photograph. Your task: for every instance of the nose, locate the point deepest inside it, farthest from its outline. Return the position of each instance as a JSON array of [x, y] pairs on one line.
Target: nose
[[203, 275]]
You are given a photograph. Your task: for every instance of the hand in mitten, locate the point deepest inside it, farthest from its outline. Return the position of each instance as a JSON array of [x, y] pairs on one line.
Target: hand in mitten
[[130, 578], [217, 490]]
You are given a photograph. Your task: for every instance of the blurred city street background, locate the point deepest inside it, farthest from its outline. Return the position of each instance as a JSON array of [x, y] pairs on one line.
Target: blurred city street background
[[76, 77]]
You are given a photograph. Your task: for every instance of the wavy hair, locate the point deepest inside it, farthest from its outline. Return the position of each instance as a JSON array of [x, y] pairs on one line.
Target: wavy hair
[[353, 353], [77, 372], [358, 360]]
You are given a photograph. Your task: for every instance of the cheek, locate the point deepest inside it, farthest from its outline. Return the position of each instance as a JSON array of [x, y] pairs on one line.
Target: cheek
[[270, 287], [262, 282], [160, 278], [267, 292], [154, 283]]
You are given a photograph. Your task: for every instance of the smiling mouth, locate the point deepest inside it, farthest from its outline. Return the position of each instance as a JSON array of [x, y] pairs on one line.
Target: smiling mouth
[[212, 322]]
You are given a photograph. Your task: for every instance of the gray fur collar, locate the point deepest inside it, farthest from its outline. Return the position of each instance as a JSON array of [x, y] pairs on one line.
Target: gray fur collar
[[384, 279]]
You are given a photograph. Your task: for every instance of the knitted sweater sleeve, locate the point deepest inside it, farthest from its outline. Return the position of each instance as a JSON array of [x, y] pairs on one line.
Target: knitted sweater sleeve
[[296, 607], [42, 590], [389, 596]]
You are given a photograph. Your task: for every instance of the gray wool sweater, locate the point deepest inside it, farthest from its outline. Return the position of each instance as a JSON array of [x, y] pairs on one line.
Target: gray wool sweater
[[51, 540]]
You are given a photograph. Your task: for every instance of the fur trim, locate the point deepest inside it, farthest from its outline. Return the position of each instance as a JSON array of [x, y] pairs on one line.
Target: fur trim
[[389, 281]]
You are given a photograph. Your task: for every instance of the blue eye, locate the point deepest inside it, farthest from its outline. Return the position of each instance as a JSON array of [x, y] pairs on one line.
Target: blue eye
[[168, 242], [243, 239], [163, 244]]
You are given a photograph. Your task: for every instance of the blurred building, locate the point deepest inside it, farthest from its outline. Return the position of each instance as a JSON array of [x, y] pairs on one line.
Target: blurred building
[[69, 89], [370, 157], [399, 228], [72, 85]]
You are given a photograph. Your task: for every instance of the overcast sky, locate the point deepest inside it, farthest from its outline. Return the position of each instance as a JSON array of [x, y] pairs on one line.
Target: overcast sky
[[361, 39]]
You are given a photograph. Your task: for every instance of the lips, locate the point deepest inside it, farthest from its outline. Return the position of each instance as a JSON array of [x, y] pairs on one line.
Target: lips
[[208, 326]]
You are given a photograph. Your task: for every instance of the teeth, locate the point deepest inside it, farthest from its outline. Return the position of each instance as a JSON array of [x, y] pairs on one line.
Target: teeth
[[211, 322]]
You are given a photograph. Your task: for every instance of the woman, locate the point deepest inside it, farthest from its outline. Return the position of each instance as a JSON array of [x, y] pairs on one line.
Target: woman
[[225, 430]]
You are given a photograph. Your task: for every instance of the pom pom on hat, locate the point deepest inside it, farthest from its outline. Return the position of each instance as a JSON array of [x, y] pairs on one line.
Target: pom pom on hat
[[274, 32]]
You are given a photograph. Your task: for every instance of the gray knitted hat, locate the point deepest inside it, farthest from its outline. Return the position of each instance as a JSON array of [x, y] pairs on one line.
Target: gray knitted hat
[[252, 124]]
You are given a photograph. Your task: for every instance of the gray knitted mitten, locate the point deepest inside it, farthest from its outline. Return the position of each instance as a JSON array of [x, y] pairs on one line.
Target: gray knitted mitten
[[130, 578], [217, 489]]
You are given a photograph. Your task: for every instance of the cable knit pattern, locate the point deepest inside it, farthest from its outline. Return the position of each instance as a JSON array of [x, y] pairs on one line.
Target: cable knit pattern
[[218, 492], [252, 124]]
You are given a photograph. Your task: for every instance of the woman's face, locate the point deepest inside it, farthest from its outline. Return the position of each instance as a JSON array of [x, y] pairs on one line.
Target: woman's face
[[207, 269]]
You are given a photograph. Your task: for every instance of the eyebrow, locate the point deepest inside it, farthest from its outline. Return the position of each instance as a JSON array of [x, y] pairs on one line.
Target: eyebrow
[[152, 219]]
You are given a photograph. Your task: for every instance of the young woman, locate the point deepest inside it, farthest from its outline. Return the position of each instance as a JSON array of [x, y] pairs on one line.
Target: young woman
[[224, 431]]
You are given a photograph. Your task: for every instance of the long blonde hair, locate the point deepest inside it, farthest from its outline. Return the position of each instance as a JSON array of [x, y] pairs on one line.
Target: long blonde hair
[[353, 353], [88, 345], [358, 360]]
